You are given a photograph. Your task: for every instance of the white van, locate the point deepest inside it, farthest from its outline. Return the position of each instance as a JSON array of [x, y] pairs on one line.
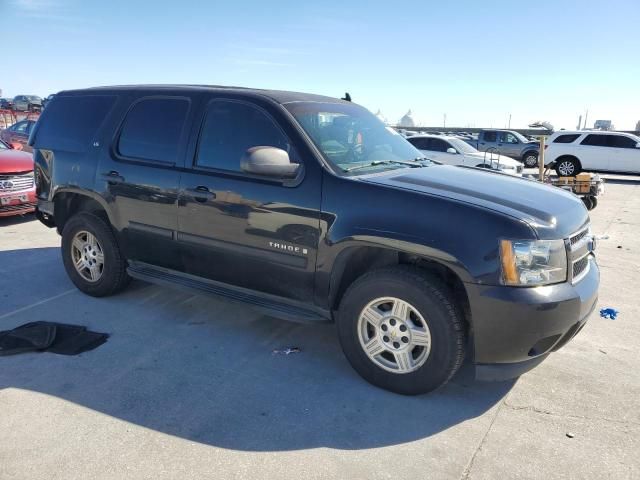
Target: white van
[[593, 150]]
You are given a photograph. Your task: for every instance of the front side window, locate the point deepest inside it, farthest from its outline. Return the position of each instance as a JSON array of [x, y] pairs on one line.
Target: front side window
[[509, 138], [619, 141], [352, 138], [230, 129], [438, 145], [20, 127], [153, 128], [420, 143]]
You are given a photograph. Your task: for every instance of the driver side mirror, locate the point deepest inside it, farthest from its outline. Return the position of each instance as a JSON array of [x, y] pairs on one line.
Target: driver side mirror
[[269, 162], [451, 150], [638, 145]]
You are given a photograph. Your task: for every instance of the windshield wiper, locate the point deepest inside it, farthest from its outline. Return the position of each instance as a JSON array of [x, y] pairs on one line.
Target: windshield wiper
[[375, 163]]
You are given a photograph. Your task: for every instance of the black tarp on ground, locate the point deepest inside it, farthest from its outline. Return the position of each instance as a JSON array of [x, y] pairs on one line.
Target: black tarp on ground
[[50, 337]]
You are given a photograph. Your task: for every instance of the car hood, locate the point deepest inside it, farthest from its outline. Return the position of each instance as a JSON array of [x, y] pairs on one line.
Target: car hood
[[550, 211], [14, 161]]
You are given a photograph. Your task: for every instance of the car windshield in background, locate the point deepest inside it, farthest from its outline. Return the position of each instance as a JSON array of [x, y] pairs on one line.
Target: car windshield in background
[[521, 137], [353, 139], [461, 146]]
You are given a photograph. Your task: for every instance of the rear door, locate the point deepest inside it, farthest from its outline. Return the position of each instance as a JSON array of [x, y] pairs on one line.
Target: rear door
[[595, 152], [140, 174], [487, 139], [253, 232]]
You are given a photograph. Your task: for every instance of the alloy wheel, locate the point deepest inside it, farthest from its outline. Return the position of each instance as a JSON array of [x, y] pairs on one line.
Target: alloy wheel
[[87, 256]]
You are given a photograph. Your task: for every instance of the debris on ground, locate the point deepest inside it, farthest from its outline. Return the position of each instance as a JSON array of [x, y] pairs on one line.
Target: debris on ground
[[285, 351], [610, 313], [570, 435], [602, 351]]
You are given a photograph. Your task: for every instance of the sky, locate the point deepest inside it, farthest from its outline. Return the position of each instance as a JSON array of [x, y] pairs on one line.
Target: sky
[[477, 62]]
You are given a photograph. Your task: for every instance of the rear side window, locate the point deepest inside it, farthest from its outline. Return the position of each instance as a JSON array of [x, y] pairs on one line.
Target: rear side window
[[70, 123], [420, 143], [153, 128], [230, 129], [566, 138], [490, 136], [596, 140]]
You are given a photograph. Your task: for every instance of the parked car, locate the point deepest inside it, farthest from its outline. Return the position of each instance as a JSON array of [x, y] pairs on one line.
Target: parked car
[[17, 187], [454, 151], [309, 208], [27, 103], [509, 143], [18, 133], [6, 104], [573, 152]]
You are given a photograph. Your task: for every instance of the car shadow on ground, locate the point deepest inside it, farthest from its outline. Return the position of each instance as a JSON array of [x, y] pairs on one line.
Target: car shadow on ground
[[17, 219], [204, 370]]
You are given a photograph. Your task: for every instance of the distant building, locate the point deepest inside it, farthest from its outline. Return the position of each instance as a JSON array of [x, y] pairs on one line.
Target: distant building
[[381, 117], [638, 126], [407, 120], [603, 125]]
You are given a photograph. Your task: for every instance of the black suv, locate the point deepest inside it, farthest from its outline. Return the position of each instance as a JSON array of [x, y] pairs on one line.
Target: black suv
[[309, 208]]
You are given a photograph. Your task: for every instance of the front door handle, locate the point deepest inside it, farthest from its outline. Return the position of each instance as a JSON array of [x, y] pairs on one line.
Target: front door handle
[[201, 194], [112, 177]]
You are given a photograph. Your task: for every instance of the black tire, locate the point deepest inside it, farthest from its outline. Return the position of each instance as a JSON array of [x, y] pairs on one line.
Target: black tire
[[530, 159], [114, 274], [587, 202], [594, 202], [567, 167], [435, 304]]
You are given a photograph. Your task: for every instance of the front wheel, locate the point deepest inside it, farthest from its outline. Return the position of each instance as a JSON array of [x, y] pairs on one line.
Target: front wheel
[[530, 159], [567, 167], [91, 256], [401, 330]]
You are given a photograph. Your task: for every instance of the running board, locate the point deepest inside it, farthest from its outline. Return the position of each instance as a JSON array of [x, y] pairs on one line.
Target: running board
[[271, 305]]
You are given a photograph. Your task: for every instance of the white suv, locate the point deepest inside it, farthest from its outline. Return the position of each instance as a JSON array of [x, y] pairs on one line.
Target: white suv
[[593, 150]]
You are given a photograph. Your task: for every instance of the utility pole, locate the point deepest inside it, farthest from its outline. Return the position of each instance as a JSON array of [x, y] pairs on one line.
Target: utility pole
[[579, 122], [586, 116], [444, 123], [509, 125]]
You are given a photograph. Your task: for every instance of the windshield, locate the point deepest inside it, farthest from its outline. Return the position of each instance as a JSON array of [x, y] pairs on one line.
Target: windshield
[[520, 137], [461, 146], [348, 135]]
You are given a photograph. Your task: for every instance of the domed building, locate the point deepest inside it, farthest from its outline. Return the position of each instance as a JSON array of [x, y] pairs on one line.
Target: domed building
[[407, 120]]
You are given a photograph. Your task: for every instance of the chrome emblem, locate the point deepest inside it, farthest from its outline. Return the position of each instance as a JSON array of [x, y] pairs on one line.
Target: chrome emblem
[[6, 184], [288, 248]]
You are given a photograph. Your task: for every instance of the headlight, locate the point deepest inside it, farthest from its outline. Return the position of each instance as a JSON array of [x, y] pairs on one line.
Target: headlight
[[533, 262]]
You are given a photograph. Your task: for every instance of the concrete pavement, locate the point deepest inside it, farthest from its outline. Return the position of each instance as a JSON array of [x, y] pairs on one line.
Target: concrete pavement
[[187, 387]]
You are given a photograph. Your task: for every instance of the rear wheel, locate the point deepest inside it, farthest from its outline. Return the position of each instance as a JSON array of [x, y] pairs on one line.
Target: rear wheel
[[401, 330], [530, 159], [567, 167], [91, 256]]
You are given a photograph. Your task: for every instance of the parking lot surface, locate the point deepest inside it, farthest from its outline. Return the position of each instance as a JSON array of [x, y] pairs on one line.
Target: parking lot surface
[[188, 387]]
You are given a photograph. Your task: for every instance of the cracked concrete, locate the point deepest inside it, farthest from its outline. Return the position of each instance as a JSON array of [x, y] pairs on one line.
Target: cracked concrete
[[187, 387]]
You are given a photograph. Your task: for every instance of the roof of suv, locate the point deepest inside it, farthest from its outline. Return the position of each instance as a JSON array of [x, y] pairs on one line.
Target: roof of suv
[[590, 132], [279, 96]]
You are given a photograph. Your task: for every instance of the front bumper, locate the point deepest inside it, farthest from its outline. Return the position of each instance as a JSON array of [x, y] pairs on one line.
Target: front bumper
[[17, 203], [514, 329]]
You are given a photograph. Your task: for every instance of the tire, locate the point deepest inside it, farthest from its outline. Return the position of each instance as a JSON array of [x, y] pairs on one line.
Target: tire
[[587, 203], [567, 167], [436, 322], [530, 159], [594, 202], [112, 274]]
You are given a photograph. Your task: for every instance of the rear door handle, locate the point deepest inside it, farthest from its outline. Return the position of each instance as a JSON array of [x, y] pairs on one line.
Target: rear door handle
[[113, 177], [201, 193]]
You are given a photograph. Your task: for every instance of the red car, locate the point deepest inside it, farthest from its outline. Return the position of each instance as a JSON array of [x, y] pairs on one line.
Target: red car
[[17, 186]]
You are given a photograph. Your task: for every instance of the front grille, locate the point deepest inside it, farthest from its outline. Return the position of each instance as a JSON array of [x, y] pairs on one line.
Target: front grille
[[577, 237], [18, 208], [16, 182], [580, 266]]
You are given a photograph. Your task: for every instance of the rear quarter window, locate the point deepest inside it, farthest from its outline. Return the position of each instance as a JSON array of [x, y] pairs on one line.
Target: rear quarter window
[[569, 138], [70, 123]]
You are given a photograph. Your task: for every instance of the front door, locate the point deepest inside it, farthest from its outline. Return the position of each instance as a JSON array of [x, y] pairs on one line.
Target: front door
[[140, 176], [509, 145], [241, 229]]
